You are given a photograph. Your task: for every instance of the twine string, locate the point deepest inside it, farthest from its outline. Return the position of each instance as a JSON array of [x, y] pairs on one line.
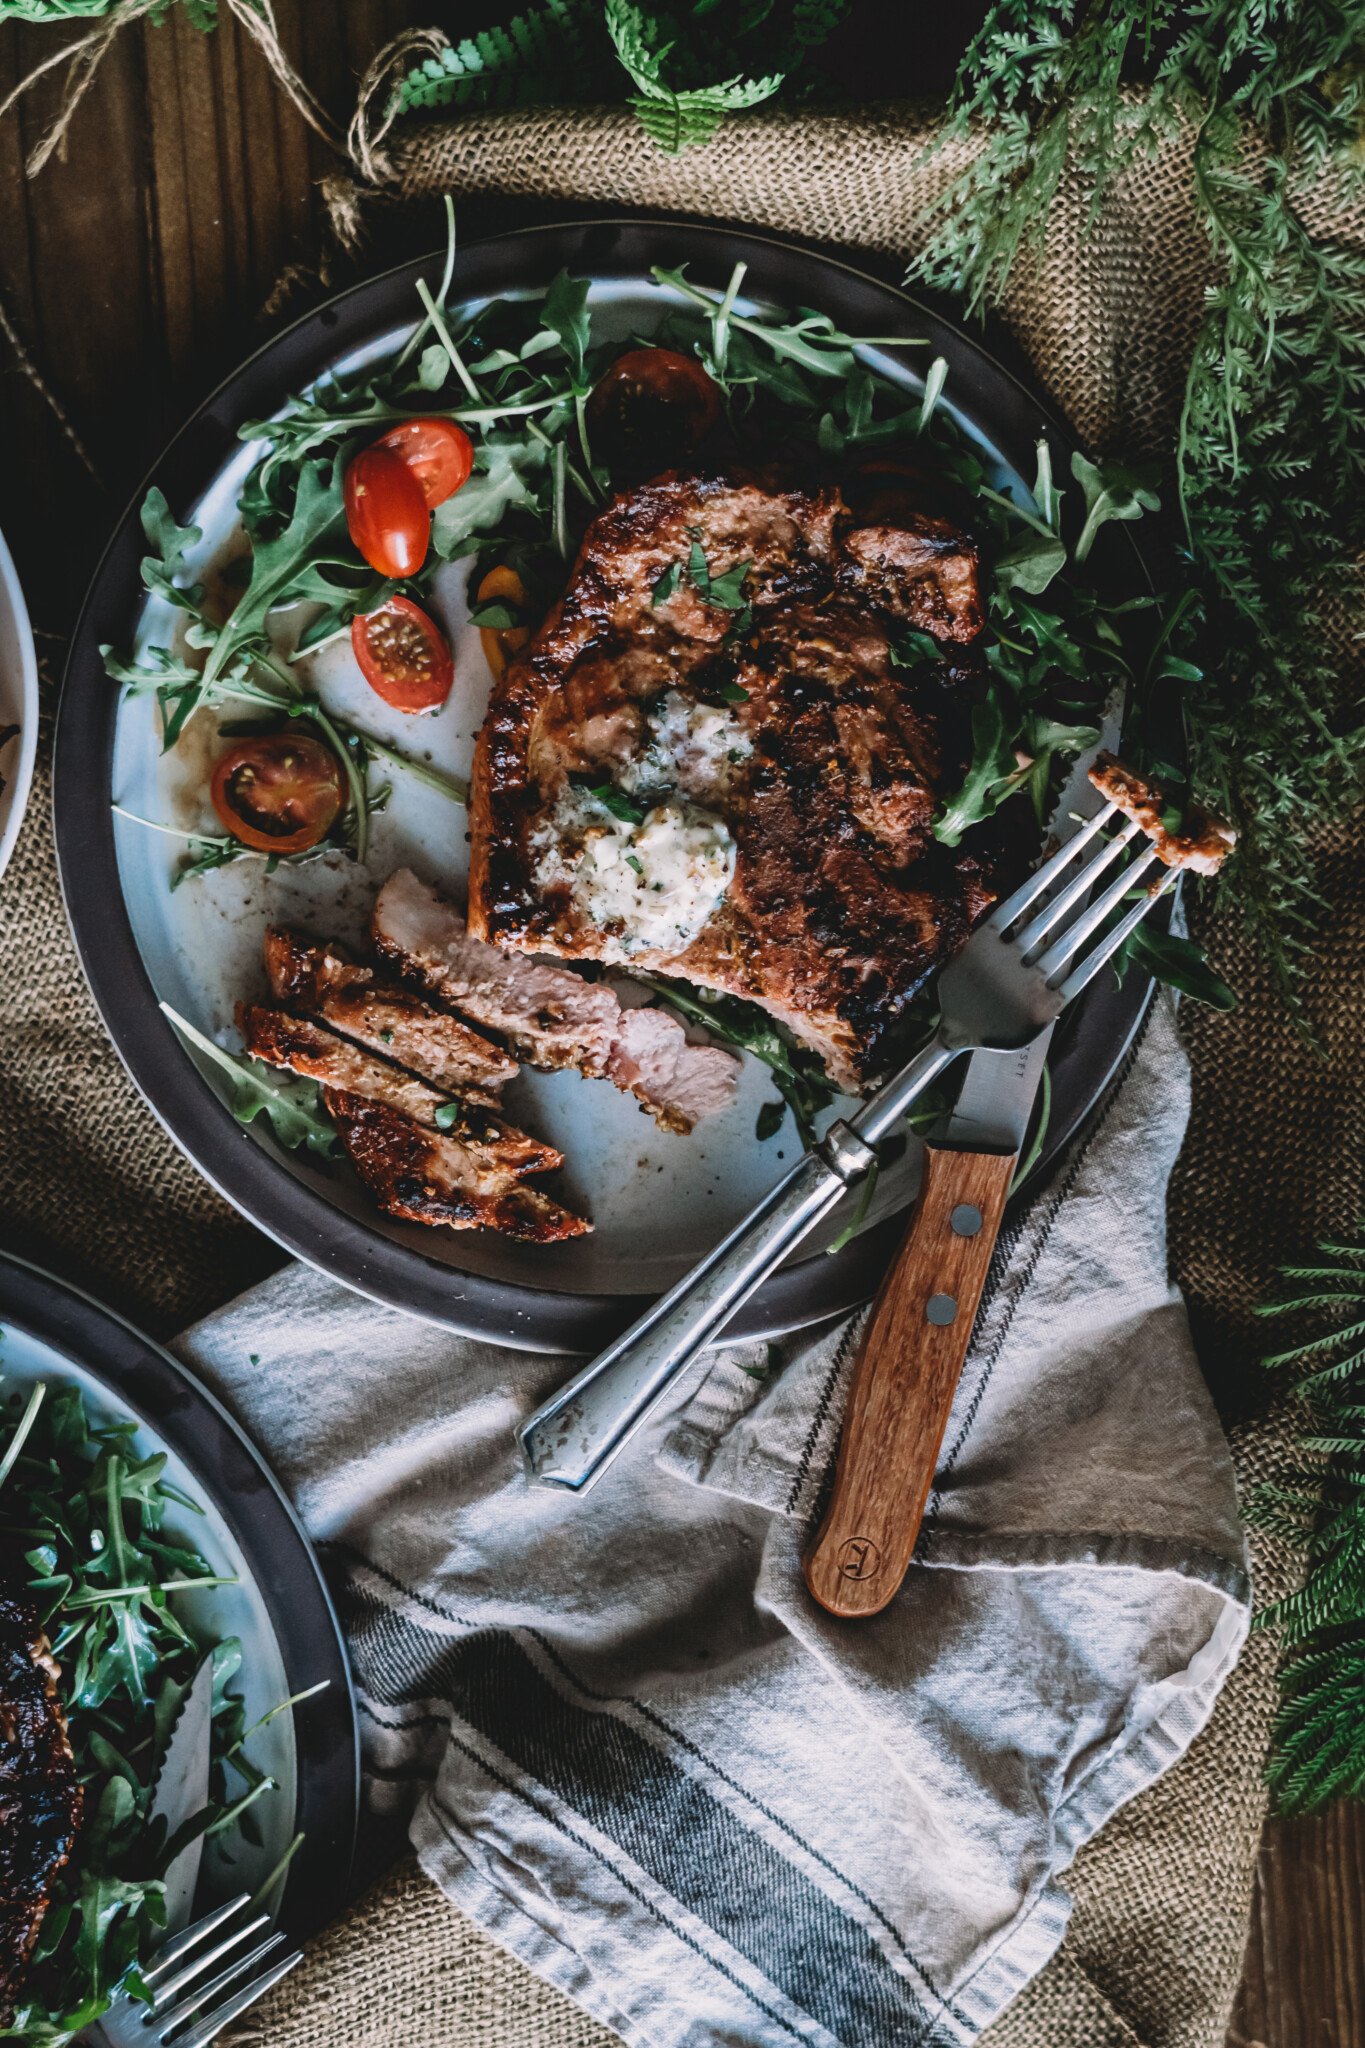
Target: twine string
[[378, 104]]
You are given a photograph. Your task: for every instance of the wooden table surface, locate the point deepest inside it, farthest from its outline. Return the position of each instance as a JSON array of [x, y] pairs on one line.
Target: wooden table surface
[[135, 270]]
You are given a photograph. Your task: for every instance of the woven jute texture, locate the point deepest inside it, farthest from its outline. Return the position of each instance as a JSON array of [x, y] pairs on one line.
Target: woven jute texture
[[88, 1179]]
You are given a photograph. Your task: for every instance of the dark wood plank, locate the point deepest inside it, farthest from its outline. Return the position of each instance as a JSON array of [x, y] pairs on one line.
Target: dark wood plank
[[1305, 1976]]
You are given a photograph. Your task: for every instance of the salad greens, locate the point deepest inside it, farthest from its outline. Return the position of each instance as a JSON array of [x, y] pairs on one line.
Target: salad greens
[[83, 1537]]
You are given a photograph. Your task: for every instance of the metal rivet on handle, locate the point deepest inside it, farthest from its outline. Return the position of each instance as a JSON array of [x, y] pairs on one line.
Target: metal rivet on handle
[[942, 1309], [965, 1220]]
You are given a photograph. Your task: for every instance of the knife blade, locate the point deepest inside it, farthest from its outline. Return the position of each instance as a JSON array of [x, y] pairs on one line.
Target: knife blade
[[182, 1790]]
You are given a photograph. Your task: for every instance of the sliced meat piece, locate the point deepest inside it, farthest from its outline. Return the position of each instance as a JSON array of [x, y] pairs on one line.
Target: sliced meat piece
[[1206, 841], [801, 872], [552, 1017], [427, 1177], [304, 1047], [686, 1083], [390, 1020], [40, 1797]]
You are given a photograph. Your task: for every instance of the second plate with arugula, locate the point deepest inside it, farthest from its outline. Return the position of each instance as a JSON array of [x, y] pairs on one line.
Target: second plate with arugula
[[301, 698]]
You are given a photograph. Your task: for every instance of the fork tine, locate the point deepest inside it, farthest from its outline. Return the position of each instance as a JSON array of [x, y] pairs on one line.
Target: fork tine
[[190, 1937], [1012, 909], [205, 1960], [204, 1994], [1110, 943], [1060, 954], [222, 2015], [1031, 935]]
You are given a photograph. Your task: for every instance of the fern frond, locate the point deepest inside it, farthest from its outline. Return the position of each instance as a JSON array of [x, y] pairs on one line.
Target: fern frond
[[675, 119], [1319, 1741], [543, 54]]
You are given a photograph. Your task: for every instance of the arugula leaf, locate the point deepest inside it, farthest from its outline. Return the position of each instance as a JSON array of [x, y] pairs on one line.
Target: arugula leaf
[[316, 524], [1112, 491], [1031, 564], [565, 313], [169, 544], [666, 584], [500, 484], [992, 776], [1179, 962], [291, 1103]]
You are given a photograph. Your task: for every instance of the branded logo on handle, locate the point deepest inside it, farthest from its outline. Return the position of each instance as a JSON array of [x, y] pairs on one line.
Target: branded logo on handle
[[859, 1558]]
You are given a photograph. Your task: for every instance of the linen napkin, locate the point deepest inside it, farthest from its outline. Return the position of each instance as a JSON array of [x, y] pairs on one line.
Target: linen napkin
[[629, 1744]]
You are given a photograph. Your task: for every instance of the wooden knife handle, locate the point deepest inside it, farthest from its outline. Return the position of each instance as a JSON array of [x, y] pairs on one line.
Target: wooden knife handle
[[904, 1380]]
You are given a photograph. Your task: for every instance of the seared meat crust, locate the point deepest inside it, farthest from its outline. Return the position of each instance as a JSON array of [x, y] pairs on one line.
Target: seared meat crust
[[1205, 842], [305, 1047], [840, 904], [391, 1021], [425, 1177], [40, 1797]]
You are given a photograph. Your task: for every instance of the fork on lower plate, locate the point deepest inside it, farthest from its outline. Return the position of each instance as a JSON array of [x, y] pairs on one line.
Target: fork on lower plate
[[202, 1980]]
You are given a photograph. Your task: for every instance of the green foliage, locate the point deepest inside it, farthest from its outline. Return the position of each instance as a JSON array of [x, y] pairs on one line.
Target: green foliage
[[82, 1517], [1319, 1751], [690, 63], [290, 1103], [1272, 439]]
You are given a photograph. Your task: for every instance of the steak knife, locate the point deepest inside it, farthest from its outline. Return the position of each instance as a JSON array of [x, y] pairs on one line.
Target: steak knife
[[915, 1340], [182, 1791]]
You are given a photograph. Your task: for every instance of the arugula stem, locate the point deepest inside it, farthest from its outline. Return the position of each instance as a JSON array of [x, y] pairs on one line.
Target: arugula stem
[[100, 1596], [457, 361], [447, 785], [22, 1429]]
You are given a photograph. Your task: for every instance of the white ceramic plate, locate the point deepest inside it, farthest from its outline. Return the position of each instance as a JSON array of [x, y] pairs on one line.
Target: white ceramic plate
[[18, 704], [657, 1200]]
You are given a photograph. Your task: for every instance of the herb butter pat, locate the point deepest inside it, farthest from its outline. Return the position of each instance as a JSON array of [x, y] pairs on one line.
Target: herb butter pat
[[652, 885]]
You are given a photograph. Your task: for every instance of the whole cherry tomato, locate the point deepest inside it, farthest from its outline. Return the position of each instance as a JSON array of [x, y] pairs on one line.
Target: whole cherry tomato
[[386, 513], [500, 643], [404, 656], [279, 792], [652, 407], [439, 453]]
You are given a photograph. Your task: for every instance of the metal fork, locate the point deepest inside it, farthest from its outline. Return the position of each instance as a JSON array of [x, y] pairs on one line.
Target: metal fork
[[1014, 977], [180, 1988]]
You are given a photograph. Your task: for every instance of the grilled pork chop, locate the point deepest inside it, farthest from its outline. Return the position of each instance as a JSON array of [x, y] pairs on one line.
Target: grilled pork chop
[[40, 1797], [720, 756], [428, 1177], [460, 1168], [551, 1017], [390, 1020]]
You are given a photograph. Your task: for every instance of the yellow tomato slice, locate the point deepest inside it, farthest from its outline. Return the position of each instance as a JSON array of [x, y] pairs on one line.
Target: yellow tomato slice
[[500, 643]]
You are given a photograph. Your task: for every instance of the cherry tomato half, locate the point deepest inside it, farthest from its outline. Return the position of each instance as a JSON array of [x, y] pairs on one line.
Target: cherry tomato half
[[500, 643], [439, 453], [279, 793], [652, 405], [404, 656], [386, 513]]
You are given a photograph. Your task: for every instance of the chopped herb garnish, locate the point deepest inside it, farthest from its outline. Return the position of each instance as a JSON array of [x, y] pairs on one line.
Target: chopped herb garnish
[[633, 862], [666, 584], [617, 802]]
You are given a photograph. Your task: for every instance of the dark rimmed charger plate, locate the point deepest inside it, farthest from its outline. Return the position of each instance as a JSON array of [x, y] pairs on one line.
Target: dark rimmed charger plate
[[1087, 1053], [228, 1470]]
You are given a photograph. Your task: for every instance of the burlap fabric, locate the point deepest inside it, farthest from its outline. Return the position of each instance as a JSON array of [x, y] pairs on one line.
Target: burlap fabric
[[1274, 1155]]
